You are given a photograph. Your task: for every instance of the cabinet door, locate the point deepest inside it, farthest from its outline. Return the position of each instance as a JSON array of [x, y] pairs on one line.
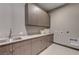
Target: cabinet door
[[37, 16], [44, 42], [43, 18], [22, 48], [32, 15], [49, 40], [36, 46], [6, 50]]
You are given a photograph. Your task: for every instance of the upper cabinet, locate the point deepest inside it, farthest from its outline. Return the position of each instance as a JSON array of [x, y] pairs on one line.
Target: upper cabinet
[[36, 16]]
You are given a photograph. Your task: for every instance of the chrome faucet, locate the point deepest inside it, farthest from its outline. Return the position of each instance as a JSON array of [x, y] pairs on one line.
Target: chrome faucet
[[10, 34]]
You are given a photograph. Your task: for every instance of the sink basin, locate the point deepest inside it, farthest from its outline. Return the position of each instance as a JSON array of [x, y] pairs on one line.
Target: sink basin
[[16, 38], [2, 40]]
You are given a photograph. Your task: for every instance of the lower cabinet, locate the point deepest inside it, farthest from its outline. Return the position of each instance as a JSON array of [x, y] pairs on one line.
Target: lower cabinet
[[27, 47], [49, 40], [22, 48], [6, 50], [44, 42], [36, 46], [41, 43]]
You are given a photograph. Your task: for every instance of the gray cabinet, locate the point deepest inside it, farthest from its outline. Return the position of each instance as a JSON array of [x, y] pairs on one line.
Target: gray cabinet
[[33, 46], [36, 46], [49, 40], [44, 42], [37, 16], [22, 48], [6, 50], [27, 47], [41, 43]]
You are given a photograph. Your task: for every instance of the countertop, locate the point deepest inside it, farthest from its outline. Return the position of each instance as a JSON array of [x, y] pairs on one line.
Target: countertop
[[9, 41]]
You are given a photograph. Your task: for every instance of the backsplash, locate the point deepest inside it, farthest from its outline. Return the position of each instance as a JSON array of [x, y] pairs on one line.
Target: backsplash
[[31, 30]]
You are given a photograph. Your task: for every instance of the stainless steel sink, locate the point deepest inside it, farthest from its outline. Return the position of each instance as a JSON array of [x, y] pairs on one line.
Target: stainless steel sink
[[2, 40], [17, 38]]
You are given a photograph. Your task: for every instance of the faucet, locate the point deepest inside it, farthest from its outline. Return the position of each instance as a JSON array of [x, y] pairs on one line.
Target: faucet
[[10, 34]]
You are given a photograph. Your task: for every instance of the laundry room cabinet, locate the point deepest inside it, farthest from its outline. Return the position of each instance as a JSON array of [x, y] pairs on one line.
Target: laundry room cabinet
[[49, 40], [41, 43], [31, 46], [37, 16], [6, 50], [22, 48], [36, 46]]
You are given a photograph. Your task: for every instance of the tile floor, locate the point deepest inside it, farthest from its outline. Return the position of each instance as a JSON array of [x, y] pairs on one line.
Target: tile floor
[[55, 49]]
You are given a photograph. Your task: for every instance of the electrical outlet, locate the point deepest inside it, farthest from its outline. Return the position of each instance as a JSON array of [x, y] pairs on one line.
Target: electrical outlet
[[74, 42]]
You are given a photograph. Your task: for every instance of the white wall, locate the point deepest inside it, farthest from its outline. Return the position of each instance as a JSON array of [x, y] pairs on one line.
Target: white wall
[[63, 20], [12, 15], [18, 19], [5, 19]]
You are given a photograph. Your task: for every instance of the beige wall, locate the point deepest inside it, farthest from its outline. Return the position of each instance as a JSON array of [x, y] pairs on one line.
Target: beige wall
[[63, 20]]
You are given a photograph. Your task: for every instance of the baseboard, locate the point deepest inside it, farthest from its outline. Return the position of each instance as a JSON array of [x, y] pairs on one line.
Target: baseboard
[[66, 46]]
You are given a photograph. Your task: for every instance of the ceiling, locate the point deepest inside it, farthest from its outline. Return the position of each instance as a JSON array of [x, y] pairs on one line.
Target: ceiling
[[49, 6]]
